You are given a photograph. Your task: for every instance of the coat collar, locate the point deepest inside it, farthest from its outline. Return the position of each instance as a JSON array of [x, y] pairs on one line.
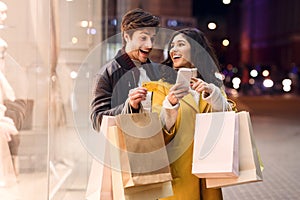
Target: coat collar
[[125, 62], [189, 99]]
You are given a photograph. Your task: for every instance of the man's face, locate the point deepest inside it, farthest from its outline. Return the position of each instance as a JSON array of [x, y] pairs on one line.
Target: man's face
[[140, 44]]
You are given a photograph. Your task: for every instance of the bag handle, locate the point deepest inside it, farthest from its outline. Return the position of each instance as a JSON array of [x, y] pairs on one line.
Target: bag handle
[[128, 109], [139, 125]]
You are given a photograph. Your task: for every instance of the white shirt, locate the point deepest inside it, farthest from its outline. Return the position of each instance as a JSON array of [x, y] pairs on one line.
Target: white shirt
[[144, 78]]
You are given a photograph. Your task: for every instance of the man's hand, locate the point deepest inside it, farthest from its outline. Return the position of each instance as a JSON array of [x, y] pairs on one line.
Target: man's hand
[[137, 95]]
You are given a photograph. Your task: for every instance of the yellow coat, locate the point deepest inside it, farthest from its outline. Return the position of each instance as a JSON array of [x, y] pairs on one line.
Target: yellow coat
[[186, 186]]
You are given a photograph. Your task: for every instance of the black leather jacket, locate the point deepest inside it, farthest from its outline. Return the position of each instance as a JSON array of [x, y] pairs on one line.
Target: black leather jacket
[[112, 86]]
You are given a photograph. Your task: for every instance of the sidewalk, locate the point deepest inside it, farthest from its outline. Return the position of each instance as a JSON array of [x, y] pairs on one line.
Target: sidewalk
[[277, 134], [275, 106]]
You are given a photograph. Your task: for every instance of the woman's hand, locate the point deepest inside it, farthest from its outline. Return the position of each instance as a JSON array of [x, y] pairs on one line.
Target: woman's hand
[[201, 86], [136, 96], [177, 92]]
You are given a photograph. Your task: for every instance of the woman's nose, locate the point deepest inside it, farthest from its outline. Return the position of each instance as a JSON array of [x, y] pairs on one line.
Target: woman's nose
[[173, 49]]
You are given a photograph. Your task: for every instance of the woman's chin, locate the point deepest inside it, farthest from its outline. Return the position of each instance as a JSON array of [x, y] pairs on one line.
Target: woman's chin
[[178, 67]]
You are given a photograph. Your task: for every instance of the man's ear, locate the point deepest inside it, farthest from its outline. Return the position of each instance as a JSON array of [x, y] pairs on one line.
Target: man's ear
[[126, 37]]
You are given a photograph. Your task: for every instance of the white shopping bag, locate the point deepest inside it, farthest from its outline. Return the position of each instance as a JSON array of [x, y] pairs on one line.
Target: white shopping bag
[[216, 145], [250, 165]]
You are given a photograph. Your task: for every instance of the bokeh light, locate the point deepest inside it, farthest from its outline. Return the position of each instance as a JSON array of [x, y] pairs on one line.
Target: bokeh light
[[212, 25], [253, 73], [265, 73], [268, 83], [225, 42]]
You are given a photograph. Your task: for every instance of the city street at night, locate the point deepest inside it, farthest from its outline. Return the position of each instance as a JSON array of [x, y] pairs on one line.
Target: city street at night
[[65, 64], [277, 134]]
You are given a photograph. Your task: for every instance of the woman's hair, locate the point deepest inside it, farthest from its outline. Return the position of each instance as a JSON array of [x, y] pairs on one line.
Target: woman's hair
[[203, 56], [138, 18]]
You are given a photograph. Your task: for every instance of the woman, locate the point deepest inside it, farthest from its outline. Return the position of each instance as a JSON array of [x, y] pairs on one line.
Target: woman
[[178, 106]]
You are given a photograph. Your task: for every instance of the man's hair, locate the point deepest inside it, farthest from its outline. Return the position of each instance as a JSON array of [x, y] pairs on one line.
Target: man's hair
[[138, 18]]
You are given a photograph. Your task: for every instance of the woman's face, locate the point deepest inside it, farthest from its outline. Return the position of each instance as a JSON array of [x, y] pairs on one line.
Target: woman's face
[[180, 52], [139, 46]]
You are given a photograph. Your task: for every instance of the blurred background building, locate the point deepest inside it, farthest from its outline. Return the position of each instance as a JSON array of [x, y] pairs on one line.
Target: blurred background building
[[246, 34]]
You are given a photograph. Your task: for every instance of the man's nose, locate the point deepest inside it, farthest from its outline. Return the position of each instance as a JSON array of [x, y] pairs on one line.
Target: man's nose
[[149, 43]]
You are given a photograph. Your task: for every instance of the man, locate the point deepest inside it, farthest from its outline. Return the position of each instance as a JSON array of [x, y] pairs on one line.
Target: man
[[118, 86]]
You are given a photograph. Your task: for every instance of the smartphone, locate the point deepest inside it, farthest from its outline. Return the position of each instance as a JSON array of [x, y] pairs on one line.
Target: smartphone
[[185, 75]]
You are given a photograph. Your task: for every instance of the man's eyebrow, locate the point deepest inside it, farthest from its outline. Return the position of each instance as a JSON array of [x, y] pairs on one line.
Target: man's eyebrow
[[147, 33], [144, 32]]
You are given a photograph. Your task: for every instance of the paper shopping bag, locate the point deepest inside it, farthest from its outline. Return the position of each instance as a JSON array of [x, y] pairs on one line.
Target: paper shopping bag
[[100, 183], [250, 164], [216, 145], [144, 158], [145, 192]]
